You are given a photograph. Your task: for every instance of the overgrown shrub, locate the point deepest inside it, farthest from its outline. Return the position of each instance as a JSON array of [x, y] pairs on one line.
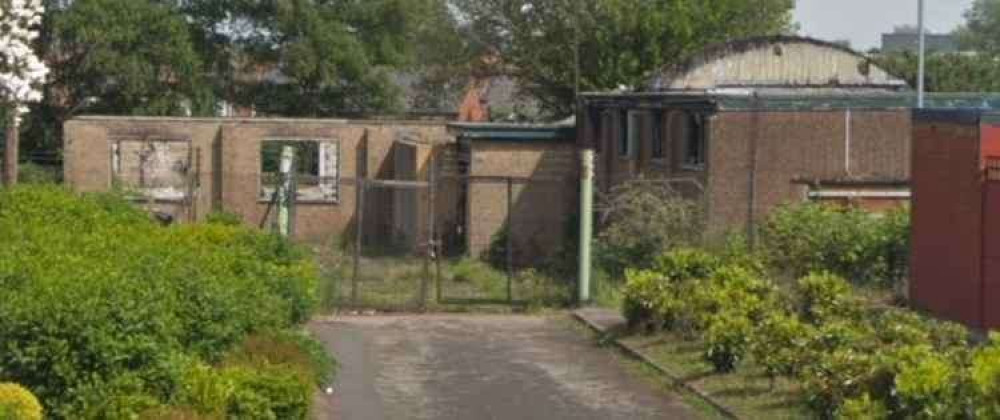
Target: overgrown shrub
[[985, 379], [824, 296], [296, 351], [224, 218], [652, 298], [35, 174], [927, 384], [781, 344], [727, 340], [647, 302], [686, 264], [863, 408], [97, 297], [244, 392], [16, 402], [642, 219], [851, 243]]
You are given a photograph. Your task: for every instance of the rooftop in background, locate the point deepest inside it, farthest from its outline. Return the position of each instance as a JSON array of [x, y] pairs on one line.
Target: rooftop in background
[[564, 130], [800, 99], [776, 62], [910, 42]]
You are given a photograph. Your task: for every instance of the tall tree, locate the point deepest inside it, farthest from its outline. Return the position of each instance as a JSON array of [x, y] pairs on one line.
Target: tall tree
[[21, 71], [947, 72], [307, 57], [614, 42], [981, 31], [114, 57]]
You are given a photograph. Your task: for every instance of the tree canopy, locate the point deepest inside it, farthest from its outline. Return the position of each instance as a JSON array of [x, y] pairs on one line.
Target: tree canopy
[[981, 31], [618, 42]]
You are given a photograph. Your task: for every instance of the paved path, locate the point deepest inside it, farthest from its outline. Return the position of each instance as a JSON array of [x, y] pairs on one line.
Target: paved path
[[480, 367]]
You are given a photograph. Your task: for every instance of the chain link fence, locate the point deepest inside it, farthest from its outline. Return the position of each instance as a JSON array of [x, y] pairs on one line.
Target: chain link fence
[[456, 240]]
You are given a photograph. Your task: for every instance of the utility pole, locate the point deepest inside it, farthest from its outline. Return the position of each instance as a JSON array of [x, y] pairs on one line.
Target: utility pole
[[923, 47]]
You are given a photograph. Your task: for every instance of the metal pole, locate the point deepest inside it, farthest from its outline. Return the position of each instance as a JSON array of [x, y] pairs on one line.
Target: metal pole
[[586, 222], [359, 216], [923, 47], [284, 211], [510, 239]]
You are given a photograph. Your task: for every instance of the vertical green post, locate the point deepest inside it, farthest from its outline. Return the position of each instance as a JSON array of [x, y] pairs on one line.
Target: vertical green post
[[586, 221], [285, 197]]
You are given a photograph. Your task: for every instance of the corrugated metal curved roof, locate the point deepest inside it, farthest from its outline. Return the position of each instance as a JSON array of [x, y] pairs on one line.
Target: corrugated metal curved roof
[[787, 61]]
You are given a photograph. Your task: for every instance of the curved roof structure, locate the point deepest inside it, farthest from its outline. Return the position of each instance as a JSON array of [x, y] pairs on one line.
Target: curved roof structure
[[777, 61]]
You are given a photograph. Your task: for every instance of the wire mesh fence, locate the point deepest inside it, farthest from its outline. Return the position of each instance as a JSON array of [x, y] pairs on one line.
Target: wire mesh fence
[[457, 240]]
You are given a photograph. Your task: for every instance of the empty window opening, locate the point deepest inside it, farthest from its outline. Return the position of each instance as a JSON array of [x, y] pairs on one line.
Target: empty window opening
[[629, 136], [694, 142], [658, 139], [316, 166], [153, 168], [623, 134]]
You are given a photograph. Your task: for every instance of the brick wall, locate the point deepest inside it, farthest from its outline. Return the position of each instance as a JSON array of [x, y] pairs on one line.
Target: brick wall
[[947, 221], [811, 145], [545, 196], [230, 167]]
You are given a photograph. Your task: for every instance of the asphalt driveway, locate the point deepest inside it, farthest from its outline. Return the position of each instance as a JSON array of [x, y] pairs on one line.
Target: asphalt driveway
[[480, 367]]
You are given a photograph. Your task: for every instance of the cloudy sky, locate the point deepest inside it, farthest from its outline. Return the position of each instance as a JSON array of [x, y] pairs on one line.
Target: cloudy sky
[[863, 21]]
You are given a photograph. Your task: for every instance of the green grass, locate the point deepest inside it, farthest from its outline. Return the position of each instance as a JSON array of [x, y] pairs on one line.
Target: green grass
[[747, 391], [397, 284]]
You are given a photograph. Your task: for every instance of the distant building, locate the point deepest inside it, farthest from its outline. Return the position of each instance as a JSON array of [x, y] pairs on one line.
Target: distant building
[[747, 126], [910, 42]]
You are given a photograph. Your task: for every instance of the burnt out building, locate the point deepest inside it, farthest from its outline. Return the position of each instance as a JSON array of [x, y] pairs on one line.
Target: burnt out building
[[464, 184], [747, 126]]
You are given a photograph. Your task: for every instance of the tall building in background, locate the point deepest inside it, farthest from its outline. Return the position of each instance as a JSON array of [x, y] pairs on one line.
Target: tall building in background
[[907, 39]]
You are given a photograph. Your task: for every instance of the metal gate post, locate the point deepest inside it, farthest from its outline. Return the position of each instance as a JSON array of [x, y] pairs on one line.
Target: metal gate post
[[359, 216], [510, 241]]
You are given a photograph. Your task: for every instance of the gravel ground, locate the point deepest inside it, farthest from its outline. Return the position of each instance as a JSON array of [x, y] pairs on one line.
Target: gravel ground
[[480, 367]]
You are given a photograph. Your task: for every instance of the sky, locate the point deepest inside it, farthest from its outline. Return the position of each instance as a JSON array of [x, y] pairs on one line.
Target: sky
[[863, 21]]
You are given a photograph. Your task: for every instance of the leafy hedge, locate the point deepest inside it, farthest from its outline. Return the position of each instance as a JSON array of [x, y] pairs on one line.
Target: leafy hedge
[[851, 243], [847, 357], [104, 311]]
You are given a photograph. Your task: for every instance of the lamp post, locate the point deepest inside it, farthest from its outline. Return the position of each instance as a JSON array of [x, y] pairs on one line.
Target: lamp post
[[923, 47]]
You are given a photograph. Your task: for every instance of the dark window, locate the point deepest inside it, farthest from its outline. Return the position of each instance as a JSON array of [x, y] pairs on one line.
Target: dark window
[[657, 136], [694, 143], [623, 134], [595, 116]]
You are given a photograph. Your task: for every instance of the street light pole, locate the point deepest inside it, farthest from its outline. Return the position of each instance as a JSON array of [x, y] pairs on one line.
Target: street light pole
[[923, 46]]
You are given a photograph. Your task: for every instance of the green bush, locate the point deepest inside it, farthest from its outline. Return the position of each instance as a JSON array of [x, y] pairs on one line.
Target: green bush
[[727, 340], [927, 384], [224, 218], [825, 296], [985, 378], [295, 350], [272, 393], [244, 392], [686, 264], [863, 408], [647, 302], [781, 344], [35, 174], [851, 243], [731, 288], [16, 402], [97, 296]]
